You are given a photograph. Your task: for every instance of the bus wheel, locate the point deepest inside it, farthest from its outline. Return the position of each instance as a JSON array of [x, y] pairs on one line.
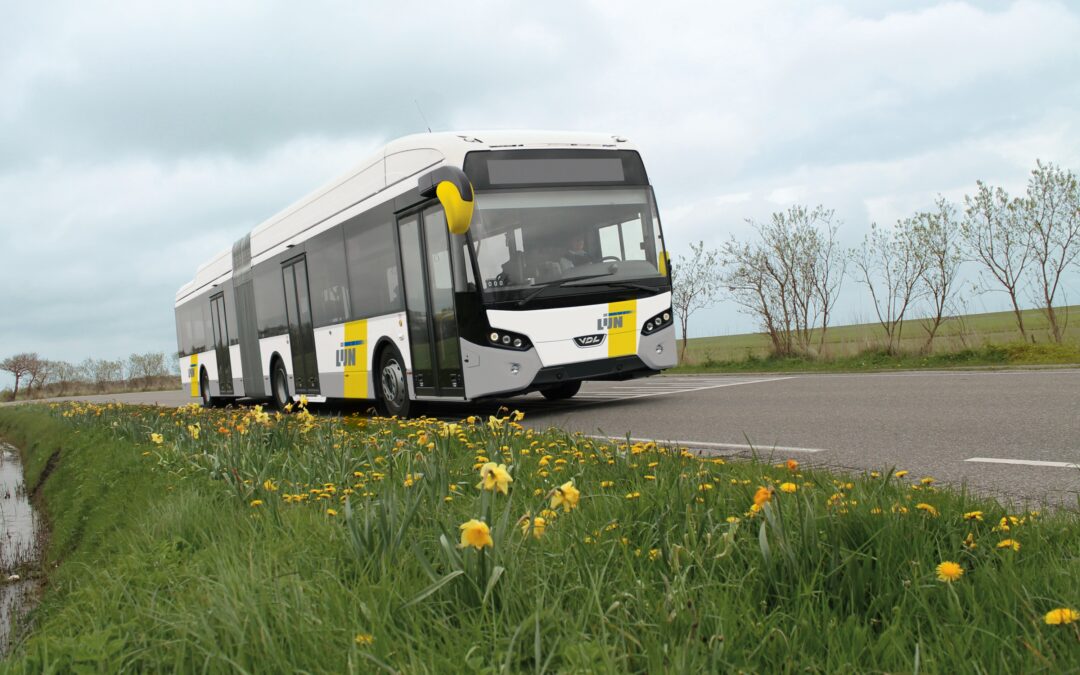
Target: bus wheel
[[393, 391], [208, 401], [561, 391], [279, 386]]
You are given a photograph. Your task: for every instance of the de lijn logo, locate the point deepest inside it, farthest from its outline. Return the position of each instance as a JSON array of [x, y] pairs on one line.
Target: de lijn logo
[[346, 356], [611, 320]]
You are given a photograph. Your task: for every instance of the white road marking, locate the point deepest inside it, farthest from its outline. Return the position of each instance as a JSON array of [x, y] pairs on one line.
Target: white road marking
[[626, 392], [707, 445], [1026, 462]]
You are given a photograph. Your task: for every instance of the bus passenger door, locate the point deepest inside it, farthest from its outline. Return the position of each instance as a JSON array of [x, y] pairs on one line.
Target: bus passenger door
[[221, 343], [301, 328], [429, 301]]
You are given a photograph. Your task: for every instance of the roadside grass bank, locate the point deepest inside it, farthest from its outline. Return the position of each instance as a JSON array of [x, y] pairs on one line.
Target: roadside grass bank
[[969, 339], [228, 540], [989, 355]]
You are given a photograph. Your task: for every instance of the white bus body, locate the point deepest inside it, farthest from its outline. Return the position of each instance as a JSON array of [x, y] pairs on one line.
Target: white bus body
[[359, 291]]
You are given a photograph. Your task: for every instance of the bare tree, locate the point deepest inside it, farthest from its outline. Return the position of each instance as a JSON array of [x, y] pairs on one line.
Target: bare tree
[[40, 371], [102, 372], [19, 366], [891, 266], [64, 374], [998, 241], [143, 368], [938, 241], [1051, 213], [694, 285], [829, 270], [789, 278]]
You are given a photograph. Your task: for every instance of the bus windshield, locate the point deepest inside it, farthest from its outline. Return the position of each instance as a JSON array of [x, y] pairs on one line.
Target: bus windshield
[[529, 238]]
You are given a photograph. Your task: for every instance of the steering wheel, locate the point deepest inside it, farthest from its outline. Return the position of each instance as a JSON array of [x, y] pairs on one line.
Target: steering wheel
[[611, 258]]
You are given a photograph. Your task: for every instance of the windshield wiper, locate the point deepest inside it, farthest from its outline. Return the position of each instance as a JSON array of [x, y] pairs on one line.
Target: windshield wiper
[[624, 284], [559, 284]]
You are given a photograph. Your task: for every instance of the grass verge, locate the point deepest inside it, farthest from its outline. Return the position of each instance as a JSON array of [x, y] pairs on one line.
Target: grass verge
[[991, 355], [231, 540]]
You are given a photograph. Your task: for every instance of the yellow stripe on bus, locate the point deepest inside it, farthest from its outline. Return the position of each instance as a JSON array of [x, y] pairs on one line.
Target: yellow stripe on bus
[[355, 351], [622, 341], [194, 375]]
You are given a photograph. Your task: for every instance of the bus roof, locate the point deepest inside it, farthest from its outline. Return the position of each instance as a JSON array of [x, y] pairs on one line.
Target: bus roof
[[383, 175]]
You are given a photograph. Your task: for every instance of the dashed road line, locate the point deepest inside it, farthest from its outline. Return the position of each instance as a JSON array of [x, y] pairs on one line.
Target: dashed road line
[[1025, 462]]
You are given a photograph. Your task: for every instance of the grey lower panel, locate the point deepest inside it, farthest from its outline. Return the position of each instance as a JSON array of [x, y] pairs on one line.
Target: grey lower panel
[[332, 385], [491, 371], [665, 339]]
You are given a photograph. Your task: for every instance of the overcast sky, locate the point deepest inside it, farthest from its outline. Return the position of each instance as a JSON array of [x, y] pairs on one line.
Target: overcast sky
[[138, 139]]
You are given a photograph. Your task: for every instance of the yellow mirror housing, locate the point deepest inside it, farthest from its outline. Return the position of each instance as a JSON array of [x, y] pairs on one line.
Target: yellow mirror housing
[[458, 210], [455, 193]]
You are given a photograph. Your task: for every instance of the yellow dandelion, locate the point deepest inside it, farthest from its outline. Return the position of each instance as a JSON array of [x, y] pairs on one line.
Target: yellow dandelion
[[331, 512], [1009, 543], [901, 474], [788, 487], [256, 502], [1061, 616], [762, 495], [974, 515], [364, 639], [157, 439], [927, 509], [948, 571]]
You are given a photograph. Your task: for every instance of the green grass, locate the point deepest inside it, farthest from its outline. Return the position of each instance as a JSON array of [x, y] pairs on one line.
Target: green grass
[[187, 555], [989, 339]]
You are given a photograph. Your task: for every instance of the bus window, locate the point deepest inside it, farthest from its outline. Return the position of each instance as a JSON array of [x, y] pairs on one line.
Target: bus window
[[633, 239], [326, 274], [610, 242], [373, 273]]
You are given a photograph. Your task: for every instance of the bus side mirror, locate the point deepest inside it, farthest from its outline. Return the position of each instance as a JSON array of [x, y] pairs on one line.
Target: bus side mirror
[[455, 193]]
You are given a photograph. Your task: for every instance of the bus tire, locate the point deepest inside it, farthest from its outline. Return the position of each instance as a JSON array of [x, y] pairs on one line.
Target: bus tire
[[279, 386], [393, 391], [560, 392], [205, 398]]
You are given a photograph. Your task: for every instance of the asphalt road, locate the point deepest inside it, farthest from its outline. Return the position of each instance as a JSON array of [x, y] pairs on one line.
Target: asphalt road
[[941, 424]]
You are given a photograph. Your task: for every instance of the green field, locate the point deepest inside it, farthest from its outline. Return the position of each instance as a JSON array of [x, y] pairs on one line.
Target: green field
[[973, 340], [234, 541]]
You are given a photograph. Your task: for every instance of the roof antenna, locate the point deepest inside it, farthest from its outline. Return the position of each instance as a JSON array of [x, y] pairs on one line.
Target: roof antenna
[[422, 115]]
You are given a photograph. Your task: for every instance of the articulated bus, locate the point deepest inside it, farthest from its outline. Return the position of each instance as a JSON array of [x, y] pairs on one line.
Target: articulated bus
[[445, 267]]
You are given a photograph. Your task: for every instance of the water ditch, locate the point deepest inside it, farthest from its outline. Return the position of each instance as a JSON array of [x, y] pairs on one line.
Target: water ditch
[[21, 543]]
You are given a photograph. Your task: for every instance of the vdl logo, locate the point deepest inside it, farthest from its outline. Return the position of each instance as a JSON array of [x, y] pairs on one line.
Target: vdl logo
[[611, 320], [346, 356]]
